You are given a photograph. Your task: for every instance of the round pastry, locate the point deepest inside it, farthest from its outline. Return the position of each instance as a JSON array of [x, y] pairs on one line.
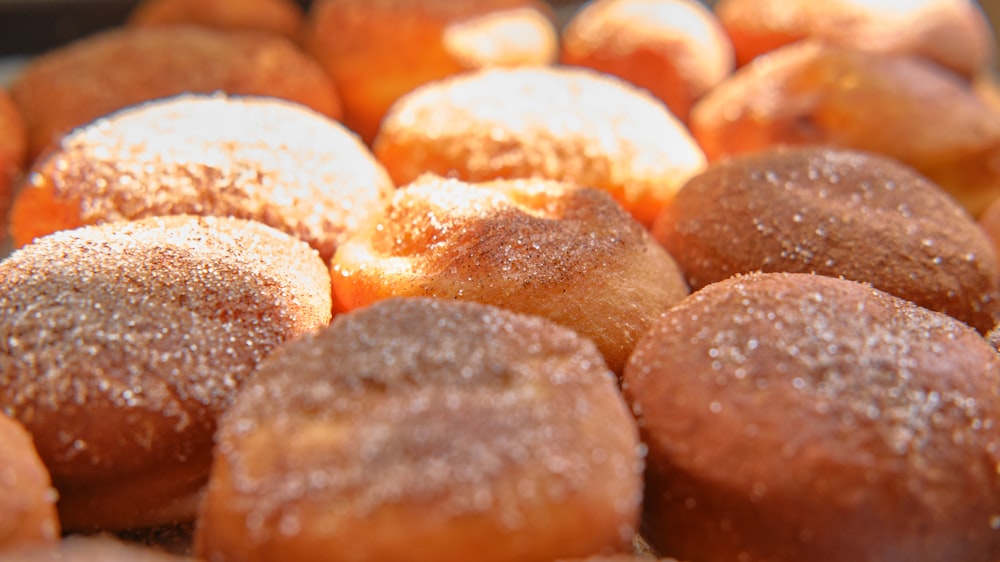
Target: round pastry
[[120, 345], [905, 108], [263, 159], [377, 51], [425, 430], [839, 213], [92, 77], [795, 417], [98, 548], [27, 500], [567, 124], [538, 247], [676, 49], [951, 33], [284, 17], [13, 149]]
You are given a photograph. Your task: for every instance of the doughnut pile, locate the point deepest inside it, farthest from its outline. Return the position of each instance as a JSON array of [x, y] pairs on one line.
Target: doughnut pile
[[120, 345], [503, 437], [504, 281], [256, 158]]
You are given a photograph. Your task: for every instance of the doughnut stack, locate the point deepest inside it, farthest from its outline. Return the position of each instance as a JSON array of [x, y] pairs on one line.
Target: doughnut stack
[[439, 280]]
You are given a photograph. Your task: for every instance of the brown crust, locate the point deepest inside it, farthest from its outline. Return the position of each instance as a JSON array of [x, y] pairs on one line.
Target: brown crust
[[254, 158], [794, 417], [94, 76], [952, 33], [27, 499], [117, 338], [284, 17], [567, 124], [838, 213], [472, 431], [676, 49], [538, 247]]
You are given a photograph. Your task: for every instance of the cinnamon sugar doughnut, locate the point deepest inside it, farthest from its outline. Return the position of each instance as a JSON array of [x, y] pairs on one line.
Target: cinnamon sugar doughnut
[[566, 124], [378, 50], [539, 247], [795, 417], [249, 157], [839, 213], [902, 107], [120, 345], [79, 548], [425, 429], [284, 17], [27, 500], [676, 49], [91, 77], [952, 33]]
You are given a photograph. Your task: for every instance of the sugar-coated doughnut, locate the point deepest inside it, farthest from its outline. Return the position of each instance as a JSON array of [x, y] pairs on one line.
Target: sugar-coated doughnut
[[27, 499], [378, 50], [120, 344], [284, 17], [97, 548], [566, 124], [902, 107], [256, 158], [794, 417], [425, 430], [539, 247], [835, 212], [94, 76], [952, 33], [676, 49]]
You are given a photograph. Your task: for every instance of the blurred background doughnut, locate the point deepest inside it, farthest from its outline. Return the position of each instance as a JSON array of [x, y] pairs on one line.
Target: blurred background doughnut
[[284, 17], [121, 343], [13, 152], [27, 498], [255, 158], [426, 430], [98, 548], [377, 51]]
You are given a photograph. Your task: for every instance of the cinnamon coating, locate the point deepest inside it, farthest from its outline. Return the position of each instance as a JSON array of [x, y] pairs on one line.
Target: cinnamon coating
[[538, 247], [471, 431], [255, 158], [27, 499], [800, 417], [120, 345], [834, 212], [566, 124], [283, 17], [92, 77]]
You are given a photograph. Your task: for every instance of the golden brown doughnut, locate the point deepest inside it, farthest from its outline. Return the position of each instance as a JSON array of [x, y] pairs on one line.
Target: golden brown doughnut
[[425, 429], [249, 157], [952, 33], [566, 124], [794, 417], [538, 247], [120, 345], [284, 17], [904, 108], [676, 49], [27, 499], [834, 212], [13, 150], [379, 50], [92, 77], [98, 548]]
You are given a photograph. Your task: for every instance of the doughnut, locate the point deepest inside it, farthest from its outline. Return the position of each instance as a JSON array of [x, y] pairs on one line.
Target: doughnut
[[675, 49], [379, 50], [905, 108], [566, 124], [835, 212], [121, 344], [954, 34], [987, 88], [97, 548], [284, 17], [13, 149], [794, 417], [27, 500], [532, 246], [75, 84], [425, 429], [255, 158]]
